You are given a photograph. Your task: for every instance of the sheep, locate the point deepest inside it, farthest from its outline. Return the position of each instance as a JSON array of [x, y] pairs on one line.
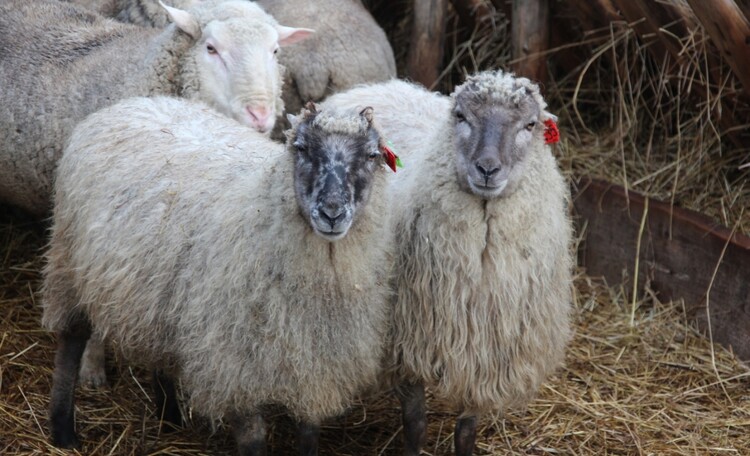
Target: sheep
[[60, 62], [253, 272], [484, 266], [348, 49]]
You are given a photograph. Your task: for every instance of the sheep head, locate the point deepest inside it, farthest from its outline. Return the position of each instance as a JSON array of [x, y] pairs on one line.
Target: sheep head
[[337, 157], [233, 58], [497, 120]]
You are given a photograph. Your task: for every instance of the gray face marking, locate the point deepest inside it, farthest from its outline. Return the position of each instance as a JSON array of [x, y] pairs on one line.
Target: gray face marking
[[492, 140], [334, 172]]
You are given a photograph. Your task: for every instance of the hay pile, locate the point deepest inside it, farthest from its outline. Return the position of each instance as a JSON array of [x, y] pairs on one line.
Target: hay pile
[[654, 388]]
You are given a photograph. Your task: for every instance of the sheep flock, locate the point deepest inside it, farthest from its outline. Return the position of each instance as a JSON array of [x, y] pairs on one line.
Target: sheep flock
[[250, 267]]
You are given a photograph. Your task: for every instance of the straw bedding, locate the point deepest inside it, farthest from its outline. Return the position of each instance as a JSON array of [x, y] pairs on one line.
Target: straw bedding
[[657, 387], [653, 387]]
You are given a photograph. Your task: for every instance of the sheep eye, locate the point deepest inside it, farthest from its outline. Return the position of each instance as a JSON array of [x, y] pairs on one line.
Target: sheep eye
[[300, 147], [530, 126], [210, 49], [275, 51], [373, 155], [460, 116]]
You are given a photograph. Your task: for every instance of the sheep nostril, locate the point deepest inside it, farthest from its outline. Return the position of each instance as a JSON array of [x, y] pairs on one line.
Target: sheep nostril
[[487, 172], [332, 215]]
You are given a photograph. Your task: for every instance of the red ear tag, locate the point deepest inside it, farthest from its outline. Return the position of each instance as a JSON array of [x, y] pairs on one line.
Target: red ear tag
[[551, 133], [391, 159]]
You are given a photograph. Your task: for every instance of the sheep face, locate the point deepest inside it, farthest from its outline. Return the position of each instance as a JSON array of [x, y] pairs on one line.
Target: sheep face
[[337, 157], [234, 55], [495, 119]]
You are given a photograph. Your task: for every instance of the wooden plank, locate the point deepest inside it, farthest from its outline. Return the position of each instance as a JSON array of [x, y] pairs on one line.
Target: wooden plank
[[428, 35], [680, 249], [530, 38], [729, 30]]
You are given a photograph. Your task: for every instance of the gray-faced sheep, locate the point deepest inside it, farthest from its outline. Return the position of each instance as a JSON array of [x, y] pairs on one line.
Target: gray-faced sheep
[[484, 268], [348, 48], [204, 248], [60, 62]]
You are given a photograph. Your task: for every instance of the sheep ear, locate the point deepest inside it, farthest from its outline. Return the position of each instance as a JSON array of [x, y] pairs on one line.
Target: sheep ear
[[291, 35], [367, 114], [310, 110], [293, 120], [184, 21], [546, 115]]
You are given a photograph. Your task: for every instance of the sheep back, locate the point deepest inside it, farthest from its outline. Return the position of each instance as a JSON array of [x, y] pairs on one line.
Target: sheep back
[[56, 66], [187, 248]]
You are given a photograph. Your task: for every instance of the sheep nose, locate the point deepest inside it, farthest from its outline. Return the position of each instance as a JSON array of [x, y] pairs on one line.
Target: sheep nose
[[260, 117], [332, 214], [487, 170]]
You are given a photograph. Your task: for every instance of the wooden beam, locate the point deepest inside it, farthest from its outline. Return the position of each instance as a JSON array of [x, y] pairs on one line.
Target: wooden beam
[[680, 250], [428, 35], [530, 38], [729, 30], [472, 13]]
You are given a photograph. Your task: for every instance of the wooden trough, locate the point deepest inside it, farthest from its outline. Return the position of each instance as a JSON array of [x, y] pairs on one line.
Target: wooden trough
[[679, 254]]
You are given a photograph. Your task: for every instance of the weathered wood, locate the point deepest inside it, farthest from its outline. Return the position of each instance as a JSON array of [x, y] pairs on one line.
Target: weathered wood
[[745, 7], [472, 13], [729, 30], [428, 35], [593, 14], [530, 38], [680, 249]]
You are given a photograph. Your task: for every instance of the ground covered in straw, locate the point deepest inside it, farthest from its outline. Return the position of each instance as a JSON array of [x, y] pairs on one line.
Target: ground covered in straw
[[653, 387]]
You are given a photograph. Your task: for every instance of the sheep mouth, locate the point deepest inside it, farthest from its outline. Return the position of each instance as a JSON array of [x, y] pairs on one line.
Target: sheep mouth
[[487, 190], [324, 229]]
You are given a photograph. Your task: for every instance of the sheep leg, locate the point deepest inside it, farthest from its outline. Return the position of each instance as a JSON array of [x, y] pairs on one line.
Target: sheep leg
[[166, 400], [309, 436], [465, 435], [413, 416], [250, 434], [92, 374], [70, 345]]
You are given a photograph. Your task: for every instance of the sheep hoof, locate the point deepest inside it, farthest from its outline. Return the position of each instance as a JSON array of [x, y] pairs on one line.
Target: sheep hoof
[[92, 377], [66, 440]]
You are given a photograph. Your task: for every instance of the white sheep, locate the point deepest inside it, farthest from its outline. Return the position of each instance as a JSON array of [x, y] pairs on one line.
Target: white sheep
[[60, 62], [349, 47], [484, 269], [206, 249]]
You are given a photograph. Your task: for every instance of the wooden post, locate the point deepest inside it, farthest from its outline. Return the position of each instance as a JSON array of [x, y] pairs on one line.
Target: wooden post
[[427, 38], [472, 13], [530, 37], [729, 30]]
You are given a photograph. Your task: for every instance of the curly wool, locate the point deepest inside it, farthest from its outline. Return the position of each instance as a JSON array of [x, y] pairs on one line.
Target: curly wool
[[177, 232], [501, 87], [484, 287]]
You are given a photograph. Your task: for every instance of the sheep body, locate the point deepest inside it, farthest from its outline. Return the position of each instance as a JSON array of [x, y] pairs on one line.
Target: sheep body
[[484, 286], [177, 233], [349, 47], [60, 62]]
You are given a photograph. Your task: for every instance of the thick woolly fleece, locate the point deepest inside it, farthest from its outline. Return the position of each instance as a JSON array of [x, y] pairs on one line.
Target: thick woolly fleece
[[177, 232], [60, 62], [484, 286], [348, 47]]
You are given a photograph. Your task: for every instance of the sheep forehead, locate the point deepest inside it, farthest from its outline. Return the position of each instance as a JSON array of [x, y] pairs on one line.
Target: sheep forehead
[[241, 32], [340, 124], [497, 87]]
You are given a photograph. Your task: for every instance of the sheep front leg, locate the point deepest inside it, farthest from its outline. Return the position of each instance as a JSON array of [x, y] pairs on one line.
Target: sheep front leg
[[250, 434], [465, 435], [70, 345], [167, 408], [413, 417], [309, 437], [92, 374]]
